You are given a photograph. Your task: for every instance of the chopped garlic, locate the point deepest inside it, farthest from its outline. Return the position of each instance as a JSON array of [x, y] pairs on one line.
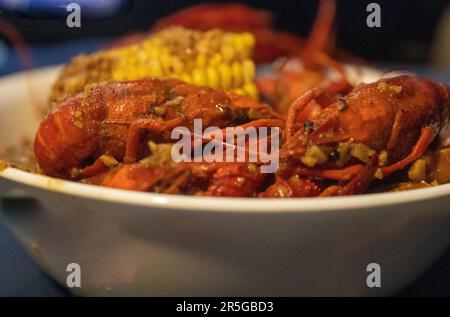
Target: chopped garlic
[[418, 171], [108, 160], [75, 172], [160, 154], [314, 155], [383, 158], [379, 174], [361, 151], [383, 86]]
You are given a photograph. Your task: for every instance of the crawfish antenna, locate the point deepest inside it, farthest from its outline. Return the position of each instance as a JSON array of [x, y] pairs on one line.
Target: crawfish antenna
[[322, 29]]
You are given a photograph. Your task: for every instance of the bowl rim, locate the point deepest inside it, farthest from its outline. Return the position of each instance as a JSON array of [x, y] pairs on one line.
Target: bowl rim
[[227, 204]]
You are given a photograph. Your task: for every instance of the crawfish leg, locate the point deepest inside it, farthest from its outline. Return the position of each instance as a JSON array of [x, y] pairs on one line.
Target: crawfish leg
[[357, 185], [174, 188], [425, 139], [344, 174], [95, 168], [133, 177]]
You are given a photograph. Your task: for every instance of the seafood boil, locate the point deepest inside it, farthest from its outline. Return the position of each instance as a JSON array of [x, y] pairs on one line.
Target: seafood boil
[[112, 114]]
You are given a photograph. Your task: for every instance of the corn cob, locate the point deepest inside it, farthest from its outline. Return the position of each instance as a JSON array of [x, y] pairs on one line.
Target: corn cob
[[214, 58]]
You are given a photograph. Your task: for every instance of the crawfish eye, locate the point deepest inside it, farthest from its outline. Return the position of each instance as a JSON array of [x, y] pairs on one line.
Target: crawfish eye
[[333, 155], [254, 113], [308, 125], [239, 116]]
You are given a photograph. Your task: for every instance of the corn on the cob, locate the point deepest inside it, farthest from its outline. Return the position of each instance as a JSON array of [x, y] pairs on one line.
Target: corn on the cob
[[213, 58]]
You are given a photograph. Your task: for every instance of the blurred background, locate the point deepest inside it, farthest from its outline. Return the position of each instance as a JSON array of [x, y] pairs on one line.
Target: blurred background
[[414, 33]]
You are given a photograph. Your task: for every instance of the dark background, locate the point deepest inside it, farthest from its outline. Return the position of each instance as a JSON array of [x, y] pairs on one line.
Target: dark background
[[406, 35]]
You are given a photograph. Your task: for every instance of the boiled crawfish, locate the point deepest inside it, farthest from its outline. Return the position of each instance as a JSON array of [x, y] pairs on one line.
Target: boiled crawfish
[[387, 124], [313, 66], [118, 120], [206, 179]]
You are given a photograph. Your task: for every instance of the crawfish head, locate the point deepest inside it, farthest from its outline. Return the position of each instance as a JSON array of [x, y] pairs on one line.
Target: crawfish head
[[388, 115], [394, 119]]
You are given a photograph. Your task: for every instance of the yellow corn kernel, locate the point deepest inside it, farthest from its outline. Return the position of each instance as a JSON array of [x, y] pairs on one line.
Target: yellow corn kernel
[[117, 75], [228, 38], [227, 53], [154, 52], [142, 56], [200, 61], [129, 75], [155, 41], [239, 44], [248, 70], [140, 73], [248, 39], [186, 78], [165, 60], [177, 65], [251, 90], [225, 75], [236, 71], [199, 76], [239, 91], [213, 77], [215, 60], [155, 68]]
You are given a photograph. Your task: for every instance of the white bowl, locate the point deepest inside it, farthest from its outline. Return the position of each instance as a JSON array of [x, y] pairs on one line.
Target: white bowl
[[130, 243]]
